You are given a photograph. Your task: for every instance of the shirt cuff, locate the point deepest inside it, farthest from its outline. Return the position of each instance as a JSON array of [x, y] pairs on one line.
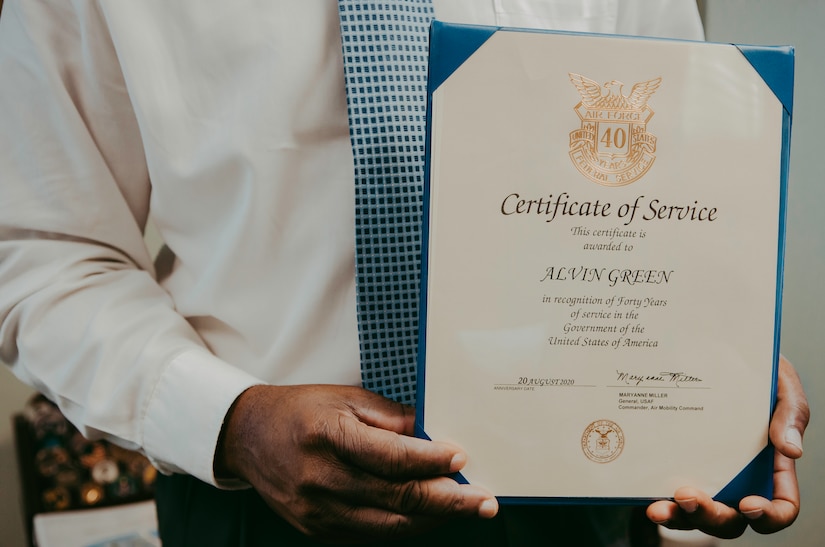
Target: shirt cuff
[[185, 414]]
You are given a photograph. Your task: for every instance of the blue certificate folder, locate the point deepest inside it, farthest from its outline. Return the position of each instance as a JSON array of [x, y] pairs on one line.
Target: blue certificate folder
[[477, 384]]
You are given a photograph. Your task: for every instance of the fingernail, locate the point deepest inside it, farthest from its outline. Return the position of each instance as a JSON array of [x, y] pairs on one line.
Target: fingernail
[[659, 522], [794, 437], [688, 505], [488, 508], [753, 514], [457, 463]]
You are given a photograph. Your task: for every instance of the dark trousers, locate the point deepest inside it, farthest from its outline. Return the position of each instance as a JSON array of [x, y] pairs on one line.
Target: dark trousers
[[191, 513]]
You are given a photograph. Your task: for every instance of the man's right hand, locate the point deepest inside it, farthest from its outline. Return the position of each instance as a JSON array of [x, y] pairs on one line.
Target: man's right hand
[[339, 463]]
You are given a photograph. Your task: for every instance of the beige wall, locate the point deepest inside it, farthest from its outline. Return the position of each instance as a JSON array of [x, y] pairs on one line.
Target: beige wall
[[13, 396], [798, 23]]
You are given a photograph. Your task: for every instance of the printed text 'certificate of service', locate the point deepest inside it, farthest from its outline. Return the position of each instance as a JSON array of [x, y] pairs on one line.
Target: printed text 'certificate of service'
[[603, 272]]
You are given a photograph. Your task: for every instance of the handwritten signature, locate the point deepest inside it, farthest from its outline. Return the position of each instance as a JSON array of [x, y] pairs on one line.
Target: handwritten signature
[[671, 378]]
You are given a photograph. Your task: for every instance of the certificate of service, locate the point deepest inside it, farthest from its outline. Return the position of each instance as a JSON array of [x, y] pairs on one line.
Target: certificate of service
[[602, 283]]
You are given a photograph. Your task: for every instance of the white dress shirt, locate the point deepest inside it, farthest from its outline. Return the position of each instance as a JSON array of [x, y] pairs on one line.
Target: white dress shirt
[[227, 121]]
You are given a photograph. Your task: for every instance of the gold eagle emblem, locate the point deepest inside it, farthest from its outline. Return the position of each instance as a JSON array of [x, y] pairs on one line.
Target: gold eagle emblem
[[613, 99], [612, 147]]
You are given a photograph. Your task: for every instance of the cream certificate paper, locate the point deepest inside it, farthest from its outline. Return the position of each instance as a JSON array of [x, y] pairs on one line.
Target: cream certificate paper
[[602, 276]]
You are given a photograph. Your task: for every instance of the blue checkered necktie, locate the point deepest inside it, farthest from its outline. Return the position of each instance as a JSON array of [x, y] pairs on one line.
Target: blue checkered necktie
[[385, 67]]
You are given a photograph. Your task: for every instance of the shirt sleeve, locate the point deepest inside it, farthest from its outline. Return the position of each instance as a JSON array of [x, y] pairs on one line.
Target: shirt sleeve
[[82, 318]]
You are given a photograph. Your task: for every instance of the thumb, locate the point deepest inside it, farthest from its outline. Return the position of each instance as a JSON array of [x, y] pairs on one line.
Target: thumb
[[383, 413], [792, 413]]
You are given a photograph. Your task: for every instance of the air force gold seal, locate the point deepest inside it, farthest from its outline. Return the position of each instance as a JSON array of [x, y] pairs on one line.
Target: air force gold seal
[[602, 441], [612, 147]]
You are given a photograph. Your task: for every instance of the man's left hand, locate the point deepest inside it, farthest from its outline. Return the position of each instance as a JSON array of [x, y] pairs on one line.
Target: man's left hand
[[694, 509]]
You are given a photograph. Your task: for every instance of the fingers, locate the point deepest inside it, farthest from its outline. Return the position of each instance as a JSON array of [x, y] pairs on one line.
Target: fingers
[[767, 517], [419, 502], [792, 413], [402, 475], [441, 497], [376, 437], [393, 458], [384, 413], [437, 497], [391, 455], [337, 463], [340, 501], [693, 509]]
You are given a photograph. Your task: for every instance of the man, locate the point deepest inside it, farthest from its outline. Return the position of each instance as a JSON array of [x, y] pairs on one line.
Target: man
[[234, 360]]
